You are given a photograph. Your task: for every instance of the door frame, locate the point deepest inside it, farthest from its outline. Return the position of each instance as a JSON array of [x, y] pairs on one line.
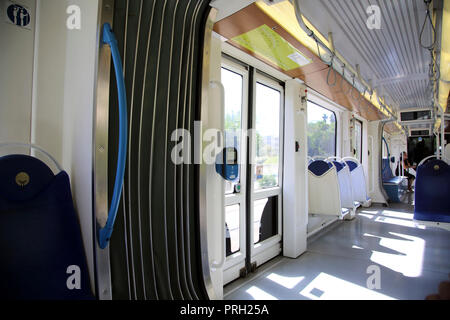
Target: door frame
[[236, 261], [263, 251], [267, 249]]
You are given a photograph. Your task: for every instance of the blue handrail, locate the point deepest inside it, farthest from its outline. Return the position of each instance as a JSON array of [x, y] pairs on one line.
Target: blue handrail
[[109, 39]]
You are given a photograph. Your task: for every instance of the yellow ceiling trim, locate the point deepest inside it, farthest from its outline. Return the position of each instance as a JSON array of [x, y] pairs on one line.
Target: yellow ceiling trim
[[284, 14], [444, 85]]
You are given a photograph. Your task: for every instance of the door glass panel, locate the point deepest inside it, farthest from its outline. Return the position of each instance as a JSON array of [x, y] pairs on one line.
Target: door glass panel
[[265, 219], [232, 224], [267, 131], [232, 83]]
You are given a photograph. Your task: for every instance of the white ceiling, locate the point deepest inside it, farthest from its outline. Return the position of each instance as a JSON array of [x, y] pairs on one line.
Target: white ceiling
[[390, 56]]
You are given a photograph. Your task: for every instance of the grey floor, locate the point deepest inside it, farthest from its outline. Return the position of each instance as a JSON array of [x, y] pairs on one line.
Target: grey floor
[[342, 261]]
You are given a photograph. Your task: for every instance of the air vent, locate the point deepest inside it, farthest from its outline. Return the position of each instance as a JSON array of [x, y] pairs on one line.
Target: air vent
[[415, 115], [420, 133]]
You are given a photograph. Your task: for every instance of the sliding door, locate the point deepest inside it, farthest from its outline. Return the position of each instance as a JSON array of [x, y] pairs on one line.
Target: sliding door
[[254, 126]]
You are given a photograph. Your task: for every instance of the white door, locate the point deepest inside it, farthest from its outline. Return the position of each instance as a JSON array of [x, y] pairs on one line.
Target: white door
[[234, 78], [253, 203]]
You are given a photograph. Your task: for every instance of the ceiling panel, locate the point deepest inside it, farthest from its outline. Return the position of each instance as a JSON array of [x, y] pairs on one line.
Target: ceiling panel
[[391, 57]]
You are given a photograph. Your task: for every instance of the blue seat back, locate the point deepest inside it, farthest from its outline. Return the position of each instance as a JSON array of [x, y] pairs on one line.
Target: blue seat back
[[386, 170], [339, 166], [352, 165], [41, 249], [432, 191], [319, 167]]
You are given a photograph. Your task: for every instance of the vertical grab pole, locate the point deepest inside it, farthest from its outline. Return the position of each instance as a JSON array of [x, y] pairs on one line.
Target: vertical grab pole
[[219, 264], [442, 132], [109, 39]]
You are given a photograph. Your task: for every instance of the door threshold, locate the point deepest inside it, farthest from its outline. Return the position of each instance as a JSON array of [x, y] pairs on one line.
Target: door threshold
[[260, 271]]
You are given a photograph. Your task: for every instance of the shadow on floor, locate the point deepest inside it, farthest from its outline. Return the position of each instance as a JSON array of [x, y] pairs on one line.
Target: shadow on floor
[[381, 254]]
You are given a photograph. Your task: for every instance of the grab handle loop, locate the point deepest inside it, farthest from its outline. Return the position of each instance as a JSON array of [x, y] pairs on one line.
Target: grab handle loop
[[105, 232]]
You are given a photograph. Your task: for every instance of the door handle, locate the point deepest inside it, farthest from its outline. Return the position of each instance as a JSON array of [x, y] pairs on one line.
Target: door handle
[[105, 232]]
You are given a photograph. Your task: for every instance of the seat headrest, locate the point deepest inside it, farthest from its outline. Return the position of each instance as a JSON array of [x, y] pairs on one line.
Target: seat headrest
[[434, 167], [351, 164], [22, 177], [339, 166], [319, 167]]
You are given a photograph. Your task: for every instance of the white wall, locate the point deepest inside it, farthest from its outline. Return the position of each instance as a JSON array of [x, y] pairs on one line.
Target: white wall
[[295, 178], [397, 144], [16, 77], [63, 122], [215, 184]]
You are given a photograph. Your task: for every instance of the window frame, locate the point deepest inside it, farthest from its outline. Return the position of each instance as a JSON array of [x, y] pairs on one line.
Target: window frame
[[234, 198], [361, 138], [257, 249], [230, 66]]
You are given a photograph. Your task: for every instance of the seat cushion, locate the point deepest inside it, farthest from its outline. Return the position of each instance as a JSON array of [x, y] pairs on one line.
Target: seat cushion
[[431, 216]]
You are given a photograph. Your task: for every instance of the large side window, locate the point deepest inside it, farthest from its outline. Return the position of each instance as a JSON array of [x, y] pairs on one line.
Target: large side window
[[321, 131]]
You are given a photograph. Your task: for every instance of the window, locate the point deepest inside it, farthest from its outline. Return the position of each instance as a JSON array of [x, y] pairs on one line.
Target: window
[[233, 83], [267, 127], [358, 140], [321, 131], [265, 219], [232, 229]]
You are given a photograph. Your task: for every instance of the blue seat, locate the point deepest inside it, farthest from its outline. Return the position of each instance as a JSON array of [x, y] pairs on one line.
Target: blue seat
[[395, 187], [432, 192], [41, 248]]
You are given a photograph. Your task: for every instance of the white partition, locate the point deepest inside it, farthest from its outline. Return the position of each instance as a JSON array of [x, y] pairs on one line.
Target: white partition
[[323, 193], [295, 191], [16, 77], [345, 187], [358, 181]]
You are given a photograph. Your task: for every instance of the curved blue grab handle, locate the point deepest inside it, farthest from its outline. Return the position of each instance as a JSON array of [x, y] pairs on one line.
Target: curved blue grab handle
[[109, 39]]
